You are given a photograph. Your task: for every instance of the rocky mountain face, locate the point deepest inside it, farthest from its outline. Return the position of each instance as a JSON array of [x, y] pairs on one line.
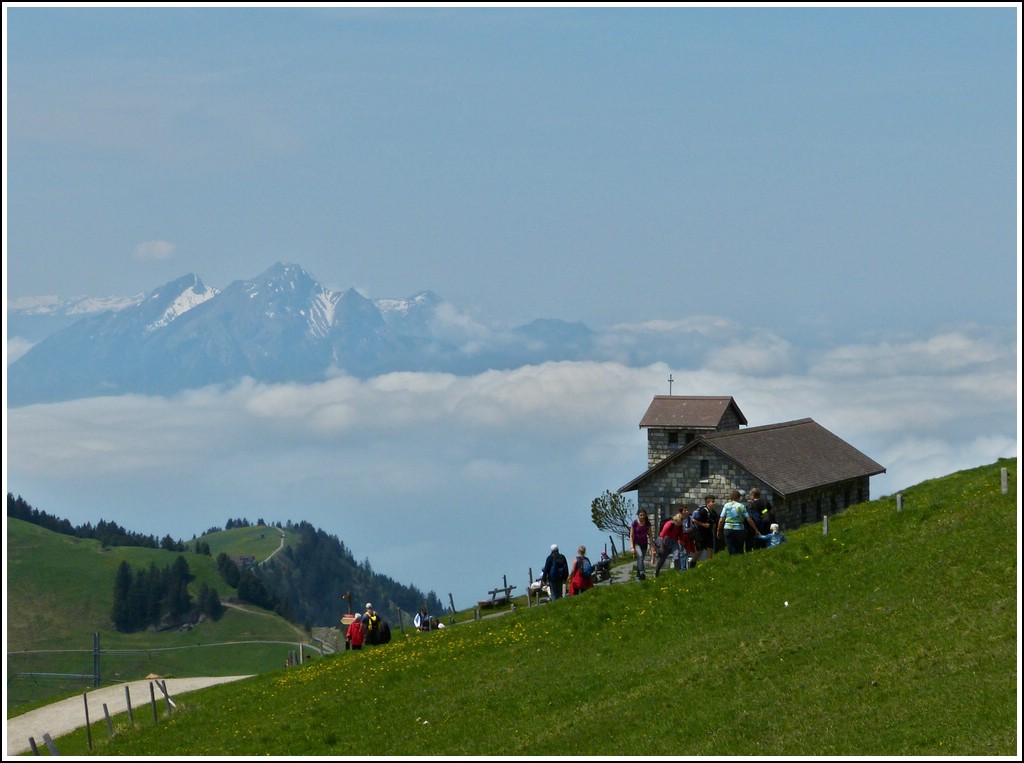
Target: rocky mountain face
[[278, 327]]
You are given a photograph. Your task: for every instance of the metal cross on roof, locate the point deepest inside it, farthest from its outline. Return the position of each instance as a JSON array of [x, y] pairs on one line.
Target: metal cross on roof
[[670, 384]]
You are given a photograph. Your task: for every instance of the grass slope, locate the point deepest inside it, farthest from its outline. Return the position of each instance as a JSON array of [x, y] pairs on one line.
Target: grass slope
[[900, 638], [60, 592]]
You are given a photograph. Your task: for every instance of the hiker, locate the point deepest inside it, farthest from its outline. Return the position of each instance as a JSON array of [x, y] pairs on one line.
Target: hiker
[[763, 515], [733, 523], [372, 622], [579, 580], [555, 572], [773, 538], [356, 634], [705, 521], [423, 621], [639, 537], [668, 540], [687, 540]]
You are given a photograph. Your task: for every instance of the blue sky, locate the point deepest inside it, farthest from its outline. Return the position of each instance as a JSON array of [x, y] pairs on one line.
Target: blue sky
[[827, 197]]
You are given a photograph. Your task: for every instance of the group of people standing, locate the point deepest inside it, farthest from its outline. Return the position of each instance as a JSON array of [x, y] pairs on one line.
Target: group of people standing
[[692, 535], [557, 572], [367, 628]]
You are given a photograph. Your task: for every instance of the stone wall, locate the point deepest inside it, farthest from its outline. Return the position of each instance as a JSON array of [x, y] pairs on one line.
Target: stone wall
[[686, 481]]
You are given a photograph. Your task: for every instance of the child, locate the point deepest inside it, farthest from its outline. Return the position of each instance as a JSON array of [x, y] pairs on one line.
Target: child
[[773, 538]]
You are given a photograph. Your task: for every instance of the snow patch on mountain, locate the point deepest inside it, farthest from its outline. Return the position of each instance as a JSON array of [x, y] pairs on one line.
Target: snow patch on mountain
[[51, 304], [321, 314], [182, 304]]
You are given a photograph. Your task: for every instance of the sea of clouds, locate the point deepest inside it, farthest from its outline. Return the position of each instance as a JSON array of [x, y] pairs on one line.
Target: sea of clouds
[[452, 482]]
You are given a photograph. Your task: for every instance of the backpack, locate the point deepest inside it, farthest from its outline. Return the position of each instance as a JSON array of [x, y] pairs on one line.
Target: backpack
[[586, 568], [560, 568]]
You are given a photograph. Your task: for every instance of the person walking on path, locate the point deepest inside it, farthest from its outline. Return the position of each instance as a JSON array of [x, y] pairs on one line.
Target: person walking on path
[[733, 522], [639, 537], [555, 572], [705, 522], [578, 581], [668, 540]]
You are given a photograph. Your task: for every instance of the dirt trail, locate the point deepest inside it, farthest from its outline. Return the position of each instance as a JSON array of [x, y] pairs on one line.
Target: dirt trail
[[63, 717]]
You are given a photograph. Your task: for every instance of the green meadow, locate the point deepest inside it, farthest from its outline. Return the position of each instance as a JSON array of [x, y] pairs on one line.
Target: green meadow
[[900, 637], [60, 592]]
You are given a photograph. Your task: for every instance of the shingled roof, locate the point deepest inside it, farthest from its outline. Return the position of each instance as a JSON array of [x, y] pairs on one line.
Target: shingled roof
[[689, 412], [790, 457]]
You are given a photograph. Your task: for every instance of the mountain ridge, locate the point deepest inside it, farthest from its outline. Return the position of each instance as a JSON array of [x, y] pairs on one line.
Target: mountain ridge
[[281, 326]]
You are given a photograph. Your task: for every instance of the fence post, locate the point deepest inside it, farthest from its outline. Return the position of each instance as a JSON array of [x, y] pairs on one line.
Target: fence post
[[1002, 480], [824, 525], [32, 744], [96, 659], [899, 502], [88, 729], [451, 602], [52, 747], [152, 700], [128, 702], [110, 723]]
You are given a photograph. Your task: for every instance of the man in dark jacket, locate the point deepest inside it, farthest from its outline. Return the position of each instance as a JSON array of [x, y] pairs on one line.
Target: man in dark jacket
[[555, 572]]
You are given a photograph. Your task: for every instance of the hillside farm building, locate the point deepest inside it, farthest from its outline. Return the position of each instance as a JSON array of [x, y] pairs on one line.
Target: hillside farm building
[[695, 447]]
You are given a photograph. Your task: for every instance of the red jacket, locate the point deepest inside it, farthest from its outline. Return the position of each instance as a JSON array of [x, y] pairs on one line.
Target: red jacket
[[356, 633]]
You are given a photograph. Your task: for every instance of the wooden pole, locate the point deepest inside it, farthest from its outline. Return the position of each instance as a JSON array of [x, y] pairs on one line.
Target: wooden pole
[[53, 748], [88, 730], [110, 723], [824, 525], [152, 700], [128, 703]]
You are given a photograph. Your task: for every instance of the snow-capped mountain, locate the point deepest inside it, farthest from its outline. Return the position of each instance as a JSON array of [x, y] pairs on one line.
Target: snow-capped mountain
[[280, 326]]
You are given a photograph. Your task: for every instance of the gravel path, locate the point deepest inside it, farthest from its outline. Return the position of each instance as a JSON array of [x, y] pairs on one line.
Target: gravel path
[[67, 715]]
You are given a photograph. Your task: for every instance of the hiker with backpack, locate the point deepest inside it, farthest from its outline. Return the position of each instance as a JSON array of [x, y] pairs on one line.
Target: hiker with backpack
[[581, 574], [555, 572], [706, 519]]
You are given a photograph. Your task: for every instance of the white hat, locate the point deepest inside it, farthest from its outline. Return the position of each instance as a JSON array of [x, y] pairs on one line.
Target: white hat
[[369, 605], [774, 528], [554, 546]]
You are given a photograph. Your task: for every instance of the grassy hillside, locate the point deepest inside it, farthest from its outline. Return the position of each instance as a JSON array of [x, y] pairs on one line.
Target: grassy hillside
[[60, 592], [259, 541], [899, 638]]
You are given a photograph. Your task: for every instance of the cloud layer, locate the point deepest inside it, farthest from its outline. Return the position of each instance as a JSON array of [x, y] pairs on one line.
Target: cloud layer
[[421, 473]]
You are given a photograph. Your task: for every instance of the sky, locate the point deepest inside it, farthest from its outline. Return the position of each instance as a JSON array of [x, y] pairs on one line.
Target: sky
[[824, 201]]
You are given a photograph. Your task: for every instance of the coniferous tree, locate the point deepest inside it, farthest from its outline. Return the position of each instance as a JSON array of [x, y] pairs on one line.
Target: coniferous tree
[[122, 615]]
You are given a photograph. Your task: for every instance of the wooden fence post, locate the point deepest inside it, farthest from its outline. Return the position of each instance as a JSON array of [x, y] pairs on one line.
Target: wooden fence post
[[824, 525], [152, 700], [1003, 480], [52, 747], [128, 702], [451, 602], [32, 744], [110, 723], [899, 502], [88, 729]]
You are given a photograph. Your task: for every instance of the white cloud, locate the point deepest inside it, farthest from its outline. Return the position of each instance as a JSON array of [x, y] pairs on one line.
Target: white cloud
[[423, 473], [154, 250]]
